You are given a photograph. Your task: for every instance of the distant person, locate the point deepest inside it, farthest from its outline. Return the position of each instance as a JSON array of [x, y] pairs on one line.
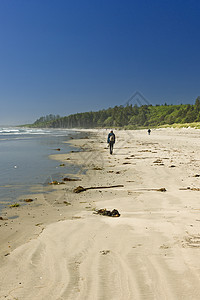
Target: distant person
[[149, 131], [111, 141]]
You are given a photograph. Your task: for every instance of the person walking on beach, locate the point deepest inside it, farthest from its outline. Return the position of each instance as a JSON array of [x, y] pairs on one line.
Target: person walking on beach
[[111, 141], [149, 131]]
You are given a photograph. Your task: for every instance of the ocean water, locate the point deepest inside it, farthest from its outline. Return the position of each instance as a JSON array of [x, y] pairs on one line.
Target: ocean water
[[24, 161]]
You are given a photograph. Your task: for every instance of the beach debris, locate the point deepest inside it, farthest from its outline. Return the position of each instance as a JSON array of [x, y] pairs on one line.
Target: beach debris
[[80, 189], [157, 161], [62, 165], [28, 200], [144, 151], [67, 203], [196, 175], [156, 190], [104, 252], [191, 189], [71, 179], [55, 182], [58, 149], [126, 163], [38, 224], [15, 205], [105, 212], [172, 166], [161, 190], [7, 254], [97, 168], [183, 189], [15, 167], [3, 219]]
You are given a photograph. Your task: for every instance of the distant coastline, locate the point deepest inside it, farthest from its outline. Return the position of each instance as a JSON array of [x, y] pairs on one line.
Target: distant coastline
[[129, 117]]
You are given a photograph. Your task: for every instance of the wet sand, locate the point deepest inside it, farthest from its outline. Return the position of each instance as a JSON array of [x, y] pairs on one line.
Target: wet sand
[[59, 248]]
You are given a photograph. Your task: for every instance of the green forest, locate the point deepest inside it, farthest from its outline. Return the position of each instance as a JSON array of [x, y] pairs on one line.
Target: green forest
[[127, 117]]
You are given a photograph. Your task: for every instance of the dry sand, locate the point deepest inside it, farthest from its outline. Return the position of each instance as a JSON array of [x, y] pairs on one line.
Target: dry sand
[[152, 251]]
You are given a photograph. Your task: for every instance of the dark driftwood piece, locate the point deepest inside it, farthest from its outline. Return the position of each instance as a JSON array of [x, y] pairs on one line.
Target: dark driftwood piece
[[105, 212], [80, 189], [28, 200], [157, 190], [190, 189], [71, 179]]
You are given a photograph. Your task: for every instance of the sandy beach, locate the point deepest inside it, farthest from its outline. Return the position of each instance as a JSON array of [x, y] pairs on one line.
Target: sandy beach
[[60, 248]]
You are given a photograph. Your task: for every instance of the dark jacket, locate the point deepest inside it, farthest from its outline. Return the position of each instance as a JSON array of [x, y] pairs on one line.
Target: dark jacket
[[109, 135]]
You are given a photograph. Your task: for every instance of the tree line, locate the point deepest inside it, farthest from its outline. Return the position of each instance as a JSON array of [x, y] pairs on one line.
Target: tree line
[[47, 119], [129, 117]]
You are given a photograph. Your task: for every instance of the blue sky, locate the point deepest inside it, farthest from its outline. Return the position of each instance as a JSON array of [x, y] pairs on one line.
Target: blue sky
[[63, 57]]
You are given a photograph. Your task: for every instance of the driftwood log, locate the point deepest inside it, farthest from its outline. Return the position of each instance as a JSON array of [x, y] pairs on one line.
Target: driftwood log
[[157, 190], [71, 179], [80, 189], [190, 189]]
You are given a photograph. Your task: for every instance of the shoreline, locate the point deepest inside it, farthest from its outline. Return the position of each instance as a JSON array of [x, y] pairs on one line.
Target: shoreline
[[149, 252], [25, 163], [20, 224]]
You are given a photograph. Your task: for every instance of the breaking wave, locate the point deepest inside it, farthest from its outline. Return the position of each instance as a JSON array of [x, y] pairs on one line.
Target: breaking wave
[[8, 131]]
